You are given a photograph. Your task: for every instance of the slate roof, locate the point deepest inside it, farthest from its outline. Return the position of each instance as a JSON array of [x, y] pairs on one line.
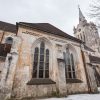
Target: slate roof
[[8, 27], [88, 48], [50, 29], [94, 59]]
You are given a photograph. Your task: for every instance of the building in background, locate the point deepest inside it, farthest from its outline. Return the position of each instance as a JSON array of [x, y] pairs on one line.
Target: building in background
[[88, 33]]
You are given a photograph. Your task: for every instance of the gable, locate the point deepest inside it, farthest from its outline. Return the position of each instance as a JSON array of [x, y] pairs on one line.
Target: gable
[[49, 29]]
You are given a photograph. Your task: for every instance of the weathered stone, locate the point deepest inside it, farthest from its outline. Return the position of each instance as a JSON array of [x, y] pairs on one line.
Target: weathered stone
[[17, 68]]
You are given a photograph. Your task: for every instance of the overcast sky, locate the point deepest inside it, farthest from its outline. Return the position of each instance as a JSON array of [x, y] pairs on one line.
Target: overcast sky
[[61, 13]]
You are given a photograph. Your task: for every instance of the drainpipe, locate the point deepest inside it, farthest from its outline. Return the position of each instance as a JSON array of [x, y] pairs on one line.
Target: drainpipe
[[84, 62]]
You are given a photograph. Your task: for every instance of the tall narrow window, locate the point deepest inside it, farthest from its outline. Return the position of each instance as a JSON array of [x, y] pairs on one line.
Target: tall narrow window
[[41, 62], [36, 54], [70, 66], [47, 64], [73, 66]]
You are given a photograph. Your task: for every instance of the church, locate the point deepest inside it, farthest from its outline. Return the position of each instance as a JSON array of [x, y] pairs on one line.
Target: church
[[40, 60]]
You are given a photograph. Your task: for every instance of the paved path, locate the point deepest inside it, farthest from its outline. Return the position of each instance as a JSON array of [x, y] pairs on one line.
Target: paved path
[[78, 97]]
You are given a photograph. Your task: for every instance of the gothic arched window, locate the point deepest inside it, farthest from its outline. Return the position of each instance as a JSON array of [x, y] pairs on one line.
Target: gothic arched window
[[70, 66], [73, 66], [9, 40], [47, 64], [36, 55], [41, 62]]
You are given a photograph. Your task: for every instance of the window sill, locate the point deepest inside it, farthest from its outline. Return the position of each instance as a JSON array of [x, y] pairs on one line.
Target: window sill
[[73, 81], [40, 81], [60, 60], [2, 58]]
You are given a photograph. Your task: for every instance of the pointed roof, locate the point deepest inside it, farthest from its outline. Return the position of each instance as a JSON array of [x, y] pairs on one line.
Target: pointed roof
[[81, 16], [50, 29]]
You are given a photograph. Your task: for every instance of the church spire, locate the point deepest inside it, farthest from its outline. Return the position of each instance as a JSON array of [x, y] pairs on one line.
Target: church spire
[[81, 16]]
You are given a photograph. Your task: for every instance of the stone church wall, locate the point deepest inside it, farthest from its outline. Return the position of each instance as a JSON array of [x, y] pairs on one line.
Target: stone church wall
[[1, 33], [15, 74], [24, 67], [7, 67], [81, 87], [2, 62]]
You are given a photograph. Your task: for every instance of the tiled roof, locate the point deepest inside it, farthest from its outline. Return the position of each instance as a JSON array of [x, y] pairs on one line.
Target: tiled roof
[[50, 29], [8, 27], [94, 59]]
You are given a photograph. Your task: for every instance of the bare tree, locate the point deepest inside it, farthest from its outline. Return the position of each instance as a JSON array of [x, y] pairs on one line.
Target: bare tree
[[95, 9]]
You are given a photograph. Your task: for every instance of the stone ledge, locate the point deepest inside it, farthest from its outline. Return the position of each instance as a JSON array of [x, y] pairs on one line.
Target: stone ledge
[[40, 81], [2, 58], [73, 81], [60, 60]]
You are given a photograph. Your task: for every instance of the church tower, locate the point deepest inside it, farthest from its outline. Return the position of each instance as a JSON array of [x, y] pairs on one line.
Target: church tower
[[87, 32]]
